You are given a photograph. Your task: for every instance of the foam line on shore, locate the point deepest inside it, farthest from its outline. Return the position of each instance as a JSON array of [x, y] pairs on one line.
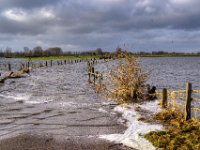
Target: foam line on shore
[[132, 137]]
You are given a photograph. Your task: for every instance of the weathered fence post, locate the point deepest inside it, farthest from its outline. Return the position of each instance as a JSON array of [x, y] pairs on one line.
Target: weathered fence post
[[89, 70], [93, 73], [28, 64], [46, 64], [89, 73], [164, 98], [188, 101], [9, 67]]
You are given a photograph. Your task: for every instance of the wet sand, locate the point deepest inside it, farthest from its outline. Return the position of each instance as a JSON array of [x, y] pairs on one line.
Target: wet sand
[[47, 142]]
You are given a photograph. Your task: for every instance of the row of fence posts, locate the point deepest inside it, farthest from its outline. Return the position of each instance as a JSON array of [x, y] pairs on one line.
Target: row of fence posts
[[94, 74], [187, 110], [59, 62]]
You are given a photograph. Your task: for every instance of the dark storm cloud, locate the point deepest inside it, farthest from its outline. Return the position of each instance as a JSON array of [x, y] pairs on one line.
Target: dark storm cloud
[[28, 4], [11, 27], [100, 23], [129, 15]]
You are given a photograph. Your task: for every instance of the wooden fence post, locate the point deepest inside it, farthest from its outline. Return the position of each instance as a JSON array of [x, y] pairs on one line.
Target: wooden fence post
[[89, 73], [188, 101], [93, 73], [164, 98], [9, 67], [46, 64], [89, 70], [28, 64]]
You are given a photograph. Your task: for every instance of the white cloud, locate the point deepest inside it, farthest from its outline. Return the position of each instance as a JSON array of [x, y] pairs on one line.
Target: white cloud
[[20, 15], [44, 12], [182, 1], [15, 14]]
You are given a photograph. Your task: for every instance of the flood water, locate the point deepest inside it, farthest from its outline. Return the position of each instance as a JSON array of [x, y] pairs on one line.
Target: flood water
[[59, 100], [173, 72]]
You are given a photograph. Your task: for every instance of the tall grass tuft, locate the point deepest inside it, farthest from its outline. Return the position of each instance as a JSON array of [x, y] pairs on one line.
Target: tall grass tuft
[[128, 79]]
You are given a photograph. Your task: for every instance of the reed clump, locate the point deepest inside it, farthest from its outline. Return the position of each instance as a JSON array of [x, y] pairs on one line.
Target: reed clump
[[128, 79], [178, 135]]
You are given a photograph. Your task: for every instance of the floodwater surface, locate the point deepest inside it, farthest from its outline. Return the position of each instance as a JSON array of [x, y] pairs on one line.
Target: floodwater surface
[[59, 100], [56, 100]]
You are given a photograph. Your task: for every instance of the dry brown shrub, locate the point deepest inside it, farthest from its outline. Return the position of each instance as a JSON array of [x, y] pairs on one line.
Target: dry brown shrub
[[128, 79]]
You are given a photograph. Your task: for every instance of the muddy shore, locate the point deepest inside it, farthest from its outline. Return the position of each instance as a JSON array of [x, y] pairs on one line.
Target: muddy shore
[[47, 142]]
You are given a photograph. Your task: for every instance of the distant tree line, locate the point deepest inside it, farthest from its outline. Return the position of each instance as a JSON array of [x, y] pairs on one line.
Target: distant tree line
[[38, 51]]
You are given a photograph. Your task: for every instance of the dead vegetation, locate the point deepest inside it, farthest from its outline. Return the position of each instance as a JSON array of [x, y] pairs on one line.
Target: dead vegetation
[[128, 80], [178, 135], [17, 74]]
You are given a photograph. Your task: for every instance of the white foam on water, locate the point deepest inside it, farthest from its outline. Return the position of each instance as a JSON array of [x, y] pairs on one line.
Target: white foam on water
[[17, 97], [39, 100], [68, 104], [133, 136], [102, 110], [33, 102]]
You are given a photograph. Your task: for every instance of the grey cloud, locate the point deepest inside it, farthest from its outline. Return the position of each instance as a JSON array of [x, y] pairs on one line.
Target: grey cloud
[[129, 15], [28, 4], [10, 27], [90, 23]]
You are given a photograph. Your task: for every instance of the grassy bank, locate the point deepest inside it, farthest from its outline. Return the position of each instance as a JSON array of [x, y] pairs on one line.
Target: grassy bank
[[167, 55], [178, 134]]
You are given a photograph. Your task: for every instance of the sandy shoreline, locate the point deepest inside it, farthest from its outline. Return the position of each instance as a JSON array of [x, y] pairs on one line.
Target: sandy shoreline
[[47, 142]]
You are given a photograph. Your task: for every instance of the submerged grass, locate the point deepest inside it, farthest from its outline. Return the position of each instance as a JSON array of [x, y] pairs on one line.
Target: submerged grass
[[59, 57], [178, 135]]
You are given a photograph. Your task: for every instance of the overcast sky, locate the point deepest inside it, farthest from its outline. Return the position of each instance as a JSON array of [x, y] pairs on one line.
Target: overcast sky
[[77, 25]]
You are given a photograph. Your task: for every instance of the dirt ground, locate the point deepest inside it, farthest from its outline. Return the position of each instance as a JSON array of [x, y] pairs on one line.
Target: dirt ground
[[43, 142]]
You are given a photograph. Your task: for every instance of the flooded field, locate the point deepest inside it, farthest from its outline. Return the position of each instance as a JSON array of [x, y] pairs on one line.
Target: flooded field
[[173, 72], [59, 100], [56, 100]]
